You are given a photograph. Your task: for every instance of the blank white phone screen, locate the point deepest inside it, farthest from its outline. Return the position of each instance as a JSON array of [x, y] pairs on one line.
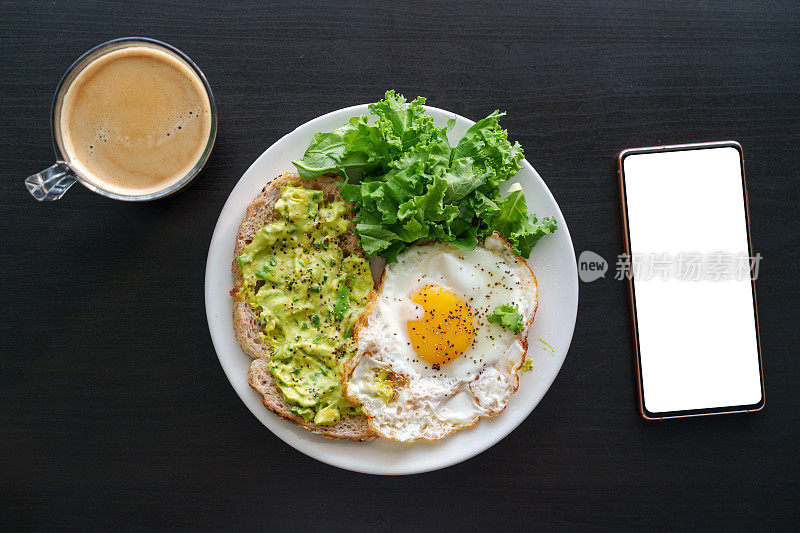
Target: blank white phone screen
[[694, 308]]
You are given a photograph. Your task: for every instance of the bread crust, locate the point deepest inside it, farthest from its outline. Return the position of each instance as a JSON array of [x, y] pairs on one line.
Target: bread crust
[[260, 212]]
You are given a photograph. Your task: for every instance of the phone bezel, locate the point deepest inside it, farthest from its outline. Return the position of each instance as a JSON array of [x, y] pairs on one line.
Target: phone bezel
[[647, 415]]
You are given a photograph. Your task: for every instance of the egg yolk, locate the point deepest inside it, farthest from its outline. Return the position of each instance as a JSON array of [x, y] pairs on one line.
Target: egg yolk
[[445, 330]]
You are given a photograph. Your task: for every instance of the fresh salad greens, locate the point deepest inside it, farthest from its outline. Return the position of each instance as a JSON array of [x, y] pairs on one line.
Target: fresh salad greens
[[507, 315], [407, 183]]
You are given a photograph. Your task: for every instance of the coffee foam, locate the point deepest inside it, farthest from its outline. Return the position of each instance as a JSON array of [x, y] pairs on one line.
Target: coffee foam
[[136, 120]]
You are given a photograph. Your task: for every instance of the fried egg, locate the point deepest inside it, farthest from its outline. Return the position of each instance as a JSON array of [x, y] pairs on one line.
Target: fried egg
[[429, 362]]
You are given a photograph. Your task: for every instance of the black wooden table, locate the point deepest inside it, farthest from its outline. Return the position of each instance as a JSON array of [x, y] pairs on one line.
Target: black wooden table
[[114, 411]]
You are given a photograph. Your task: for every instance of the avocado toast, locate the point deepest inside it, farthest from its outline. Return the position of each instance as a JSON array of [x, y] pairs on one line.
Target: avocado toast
[[300, 282]]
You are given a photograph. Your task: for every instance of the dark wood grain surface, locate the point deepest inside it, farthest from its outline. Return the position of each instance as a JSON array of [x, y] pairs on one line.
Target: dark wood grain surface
[[114, 411]]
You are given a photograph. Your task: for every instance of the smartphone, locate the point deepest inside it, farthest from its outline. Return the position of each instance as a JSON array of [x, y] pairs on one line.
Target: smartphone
[[691, 273]]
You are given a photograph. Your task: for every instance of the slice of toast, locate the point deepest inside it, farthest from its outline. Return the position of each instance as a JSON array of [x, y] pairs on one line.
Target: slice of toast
[[245, 321]]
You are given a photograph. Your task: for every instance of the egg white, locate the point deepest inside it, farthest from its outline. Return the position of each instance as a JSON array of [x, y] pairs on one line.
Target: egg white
[[428, 402]]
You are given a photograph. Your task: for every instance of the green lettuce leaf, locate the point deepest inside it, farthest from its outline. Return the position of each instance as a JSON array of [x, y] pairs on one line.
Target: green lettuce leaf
[[512, 221], [507, 315], [406, 182], [402, 124], [487, 143], [354, 145], [462, 178]]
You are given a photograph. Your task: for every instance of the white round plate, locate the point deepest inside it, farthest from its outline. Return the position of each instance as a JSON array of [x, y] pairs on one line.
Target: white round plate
[[552, 260]]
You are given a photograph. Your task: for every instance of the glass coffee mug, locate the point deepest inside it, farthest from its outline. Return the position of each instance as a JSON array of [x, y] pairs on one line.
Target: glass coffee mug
[[132, 119]]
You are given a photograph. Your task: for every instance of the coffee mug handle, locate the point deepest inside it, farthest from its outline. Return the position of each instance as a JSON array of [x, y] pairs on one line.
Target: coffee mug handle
[[51, 183]]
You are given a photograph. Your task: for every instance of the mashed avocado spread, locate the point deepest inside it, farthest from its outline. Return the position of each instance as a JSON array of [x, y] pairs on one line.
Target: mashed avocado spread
[[308, 298]]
